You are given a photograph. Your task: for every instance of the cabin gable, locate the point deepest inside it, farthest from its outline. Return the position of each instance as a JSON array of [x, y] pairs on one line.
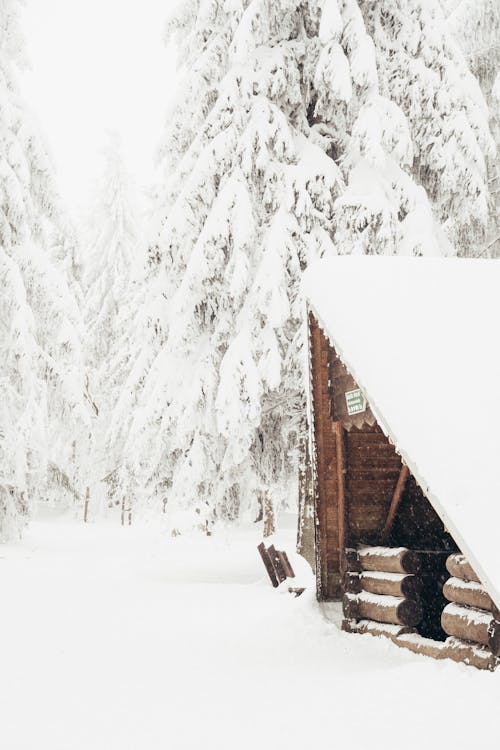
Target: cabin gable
[[381, 546], [357, 471]]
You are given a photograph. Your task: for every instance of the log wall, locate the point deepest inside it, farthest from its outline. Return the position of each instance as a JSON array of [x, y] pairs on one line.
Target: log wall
[[471, 615], [358, 478], [395, 592]]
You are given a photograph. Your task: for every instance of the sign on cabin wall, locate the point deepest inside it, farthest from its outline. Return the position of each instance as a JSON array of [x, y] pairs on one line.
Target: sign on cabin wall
[[356, 402], [348, 404]]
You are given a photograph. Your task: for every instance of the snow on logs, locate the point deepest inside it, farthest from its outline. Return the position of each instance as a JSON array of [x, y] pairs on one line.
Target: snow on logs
[[386, 559], [470, 593], [376, 628], [394, 610], [473, 625], [390, 584], [381, 586], [458, 567], [471, 615], [384, 590]]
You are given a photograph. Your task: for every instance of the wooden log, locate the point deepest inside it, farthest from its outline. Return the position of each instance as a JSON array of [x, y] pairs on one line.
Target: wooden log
[[375, 628], [387, 584], [470, 624], [388, 609], [268, 563], [453, 648], [468, 653], [467, 592], [389, 559], [467, 624], [395, 502], [391, 584], [458, 567], [420, 645]]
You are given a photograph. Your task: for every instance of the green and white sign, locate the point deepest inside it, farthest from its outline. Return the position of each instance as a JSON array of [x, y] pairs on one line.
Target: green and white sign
[[356, 402]]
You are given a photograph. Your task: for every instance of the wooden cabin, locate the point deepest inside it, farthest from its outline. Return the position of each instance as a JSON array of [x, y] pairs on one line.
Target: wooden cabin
[[407, 535]]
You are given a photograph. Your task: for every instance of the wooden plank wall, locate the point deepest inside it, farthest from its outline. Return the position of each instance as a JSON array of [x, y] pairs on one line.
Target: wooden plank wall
[[327, 521], [373, 466], [373, 471], [341, 381]]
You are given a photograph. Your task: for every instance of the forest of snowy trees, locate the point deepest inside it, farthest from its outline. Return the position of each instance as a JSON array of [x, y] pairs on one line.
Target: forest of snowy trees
[[155, 349]]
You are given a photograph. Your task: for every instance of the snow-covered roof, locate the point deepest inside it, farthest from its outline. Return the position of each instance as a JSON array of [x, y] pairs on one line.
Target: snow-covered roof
[[421, 336]]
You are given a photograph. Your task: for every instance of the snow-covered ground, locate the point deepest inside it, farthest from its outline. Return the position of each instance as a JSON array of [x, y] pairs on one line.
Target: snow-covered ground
[[124, 639]]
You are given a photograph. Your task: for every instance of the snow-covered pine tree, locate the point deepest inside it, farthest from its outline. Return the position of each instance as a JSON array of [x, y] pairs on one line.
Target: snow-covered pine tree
[[112, 257], [476, 27], [301, 144], [70, 429], [425, 73], [114, 272], [41, 377]]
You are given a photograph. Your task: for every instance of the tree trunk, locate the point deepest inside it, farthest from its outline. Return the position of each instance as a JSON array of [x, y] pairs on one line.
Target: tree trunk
[[260, 514], [305, 530], [86, 506], [269, 522]]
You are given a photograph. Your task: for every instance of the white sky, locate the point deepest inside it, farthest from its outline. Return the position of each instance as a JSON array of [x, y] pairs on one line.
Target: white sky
[[98, 65]]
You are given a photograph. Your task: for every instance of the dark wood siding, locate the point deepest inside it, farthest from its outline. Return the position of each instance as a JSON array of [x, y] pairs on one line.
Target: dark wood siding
[[373, 468], [341, 382], [327, 521]]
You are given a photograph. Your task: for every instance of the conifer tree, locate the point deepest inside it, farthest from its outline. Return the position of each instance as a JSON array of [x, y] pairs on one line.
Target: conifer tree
[[112, 256], [424, 72], [304, 140], [476, 27], [112, 280], [42, 410]]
